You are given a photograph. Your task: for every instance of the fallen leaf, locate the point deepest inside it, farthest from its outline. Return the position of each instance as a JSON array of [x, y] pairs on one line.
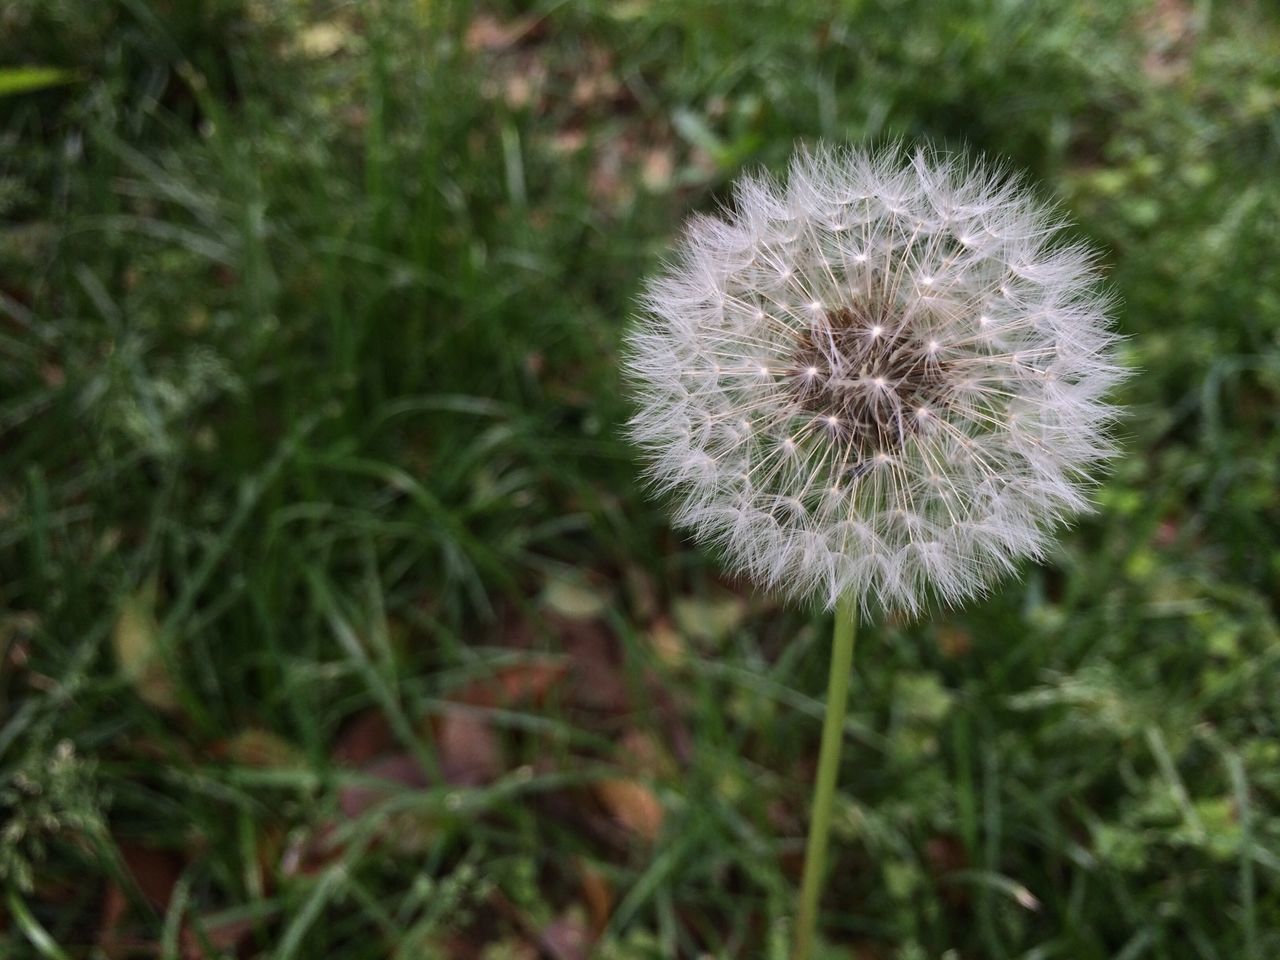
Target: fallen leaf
[[114, 907], [323, 39], [673, 709], [508, 948], [567, 141], [528, 682], [634, 805], [1167, 533], [597, 893], [396, 772], [667, 644], [488, 33], [954, 642], [657, 169], [608, 185], [407, 831], [517, 90], [154, 873], [574, 599], [364, 737], [599, 681], [467, 748], [567, 938], [642, 591], [258, 748], [643, 754], [222, 937], [1170, 28], [309, 853], [597, 84], [136, 640], [711, 618], [16, 631], [946, 855]]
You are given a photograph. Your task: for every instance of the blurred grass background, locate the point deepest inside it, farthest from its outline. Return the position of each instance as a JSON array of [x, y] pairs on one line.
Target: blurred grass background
[[333, 619]]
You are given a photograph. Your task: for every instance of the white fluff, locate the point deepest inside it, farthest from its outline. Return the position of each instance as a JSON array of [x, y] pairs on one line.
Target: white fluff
[[885, 377]]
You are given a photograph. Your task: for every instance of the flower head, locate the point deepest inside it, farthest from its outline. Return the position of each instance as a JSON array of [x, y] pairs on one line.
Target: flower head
[[885, 377]]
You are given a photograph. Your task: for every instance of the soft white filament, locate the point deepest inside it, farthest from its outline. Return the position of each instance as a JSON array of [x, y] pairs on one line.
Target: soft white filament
[[885, 377]]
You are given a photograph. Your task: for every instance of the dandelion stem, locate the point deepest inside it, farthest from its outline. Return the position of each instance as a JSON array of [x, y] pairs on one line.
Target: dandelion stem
[[815, 856]]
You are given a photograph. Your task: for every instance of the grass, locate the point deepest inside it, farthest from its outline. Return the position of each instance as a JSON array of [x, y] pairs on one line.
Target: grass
[[333, 619]]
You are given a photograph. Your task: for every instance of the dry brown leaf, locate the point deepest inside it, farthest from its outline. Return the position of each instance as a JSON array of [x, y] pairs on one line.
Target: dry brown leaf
[[520, 684], [673, 710], [517, 90], [408, 831], [155, 873], [567, 938], [258, 748], [467, 748], [597, 893], [309, 853], [954, 642], [114, 907], [667, 643], [1167, 533], [363, 738], [643, 754], [489, 34], [657, 168], [946, 855], [595, 86], [567, 141], [634, 805], [1170, 28], [397, 772], [599, 681], [642, 591], [222, 937], [16, 631], [607, 184]]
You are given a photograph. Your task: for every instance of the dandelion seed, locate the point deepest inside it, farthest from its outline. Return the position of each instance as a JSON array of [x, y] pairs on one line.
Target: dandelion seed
[[960, 427]]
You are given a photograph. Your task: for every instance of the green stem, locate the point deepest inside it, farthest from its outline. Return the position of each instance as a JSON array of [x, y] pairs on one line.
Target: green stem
[[815, 856]]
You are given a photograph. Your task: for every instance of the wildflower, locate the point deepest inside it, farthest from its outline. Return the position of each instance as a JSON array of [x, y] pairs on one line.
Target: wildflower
[[884, 379]]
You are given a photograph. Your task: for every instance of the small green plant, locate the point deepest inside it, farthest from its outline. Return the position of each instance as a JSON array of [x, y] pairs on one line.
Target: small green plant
[[51, 799]]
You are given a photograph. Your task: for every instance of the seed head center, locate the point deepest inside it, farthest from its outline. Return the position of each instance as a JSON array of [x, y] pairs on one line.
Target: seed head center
[[869, 375]]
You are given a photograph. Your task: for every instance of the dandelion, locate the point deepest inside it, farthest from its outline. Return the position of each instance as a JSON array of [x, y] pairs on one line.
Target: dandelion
[[883, 379], [879, 383]]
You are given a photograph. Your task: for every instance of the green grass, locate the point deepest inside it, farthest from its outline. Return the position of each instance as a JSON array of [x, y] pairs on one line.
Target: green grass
[[309, 317]]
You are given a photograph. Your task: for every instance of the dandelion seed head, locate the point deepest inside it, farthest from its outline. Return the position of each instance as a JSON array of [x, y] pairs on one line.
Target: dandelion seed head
[[883, 377]]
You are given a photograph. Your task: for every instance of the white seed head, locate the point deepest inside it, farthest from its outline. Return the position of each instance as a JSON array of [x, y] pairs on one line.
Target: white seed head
[[885, 377]]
